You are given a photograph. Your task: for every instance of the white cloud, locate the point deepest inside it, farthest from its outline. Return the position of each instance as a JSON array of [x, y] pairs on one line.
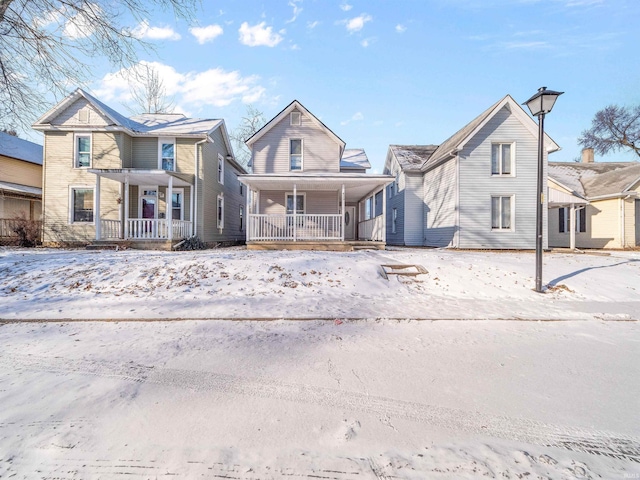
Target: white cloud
[[79, 25], [206, 34], [214, 87], [345, 7], [144, 30], [357, 23], [367, 41], [258, 35], [355, 118], [296, 10], [401, 28], [311, 25]]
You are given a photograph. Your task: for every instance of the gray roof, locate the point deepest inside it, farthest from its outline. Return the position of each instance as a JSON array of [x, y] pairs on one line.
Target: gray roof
[[15, 147], [596, 179], [412, 157], [354, 158]]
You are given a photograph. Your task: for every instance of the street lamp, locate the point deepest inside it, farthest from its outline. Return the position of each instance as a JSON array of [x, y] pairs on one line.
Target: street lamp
[[540, 104]]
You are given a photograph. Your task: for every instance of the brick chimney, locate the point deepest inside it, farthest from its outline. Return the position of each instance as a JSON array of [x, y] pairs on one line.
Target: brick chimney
[[587, 155]]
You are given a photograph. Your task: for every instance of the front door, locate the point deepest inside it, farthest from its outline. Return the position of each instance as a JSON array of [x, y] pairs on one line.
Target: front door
[[149, 207], [350, 223]]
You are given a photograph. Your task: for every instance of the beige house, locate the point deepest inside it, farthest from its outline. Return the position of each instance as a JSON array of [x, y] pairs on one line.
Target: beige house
[[20, 181], [594, 205], [151, 179], [307, 191]]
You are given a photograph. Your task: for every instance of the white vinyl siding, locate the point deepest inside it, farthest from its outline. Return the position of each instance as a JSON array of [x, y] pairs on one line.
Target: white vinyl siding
[[440, 220]]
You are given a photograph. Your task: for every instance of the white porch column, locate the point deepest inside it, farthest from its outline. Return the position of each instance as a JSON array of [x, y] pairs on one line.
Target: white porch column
[[192, 207], [572, 227], [295, 211], [343, 212], [126, 207], [96, 216], [169, 208], [247, 209], [384, 214]]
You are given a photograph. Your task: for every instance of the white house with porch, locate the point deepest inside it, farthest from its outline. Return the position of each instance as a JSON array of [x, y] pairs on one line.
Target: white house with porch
[[307, 191], [151, 179]]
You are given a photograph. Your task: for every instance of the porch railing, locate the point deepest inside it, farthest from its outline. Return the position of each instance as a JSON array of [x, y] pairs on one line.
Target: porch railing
[[145, 229], [372, 229], [294, 227]]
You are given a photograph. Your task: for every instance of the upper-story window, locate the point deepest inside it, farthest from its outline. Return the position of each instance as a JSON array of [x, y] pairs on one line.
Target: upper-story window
[[167, 158], [83, 150], [220, 169], [502, 159], [295, 154], [295, 118]]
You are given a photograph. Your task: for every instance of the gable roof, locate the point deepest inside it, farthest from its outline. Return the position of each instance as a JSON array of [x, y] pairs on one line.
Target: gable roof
[[458, 140], [288, 109], [153, 124], [592, 180], [412, 157], [20, 149], [354, 158]]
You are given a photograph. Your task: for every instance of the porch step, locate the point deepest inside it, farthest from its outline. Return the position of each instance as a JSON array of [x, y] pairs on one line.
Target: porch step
[[103, 246]]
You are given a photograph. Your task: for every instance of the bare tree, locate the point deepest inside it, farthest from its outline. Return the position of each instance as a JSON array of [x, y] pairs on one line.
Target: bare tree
[[149, 94], [252, 122], [46, 46], [613, 128]]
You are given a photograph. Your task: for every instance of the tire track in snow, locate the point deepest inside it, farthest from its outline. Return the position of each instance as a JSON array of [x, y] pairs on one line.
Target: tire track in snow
[[593, 442]]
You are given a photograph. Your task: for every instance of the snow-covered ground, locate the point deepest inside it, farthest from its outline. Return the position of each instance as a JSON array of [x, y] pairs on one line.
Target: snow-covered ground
[[363, 394], [236, 283]]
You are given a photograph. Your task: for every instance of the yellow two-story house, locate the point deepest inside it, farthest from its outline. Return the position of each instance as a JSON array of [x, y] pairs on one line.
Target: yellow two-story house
[[150, 180]]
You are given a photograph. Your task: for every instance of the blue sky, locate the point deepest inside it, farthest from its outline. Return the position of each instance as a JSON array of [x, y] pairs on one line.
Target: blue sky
[[395, 72]]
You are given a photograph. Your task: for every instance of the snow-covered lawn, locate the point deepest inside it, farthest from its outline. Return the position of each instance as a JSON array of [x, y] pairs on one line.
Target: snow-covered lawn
[[236, 283], [363, 394]]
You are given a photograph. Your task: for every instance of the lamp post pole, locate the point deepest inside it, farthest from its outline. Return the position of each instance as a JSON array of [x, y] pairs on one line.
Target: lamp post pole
[[539, 105], [540, 203]]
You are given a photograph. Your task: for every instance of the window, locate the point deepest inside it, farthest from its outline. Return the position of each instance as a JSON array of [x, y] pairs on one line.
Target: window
[[81, 210], [220, 169], [397, 183], [241, 217], [394, 220], [83, 115], [83, 151], [378, 204], [368, 208], [220, 211], [295, 154], [502, 159], [167, 159], [299, 204], [501, 213], [295, 118], [564, 220], [241, 188], [177, 205]]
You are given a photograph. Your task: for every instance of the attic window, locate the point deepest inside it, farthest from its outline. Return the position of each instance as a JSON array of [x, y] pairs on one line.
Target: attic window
[[83, 115], [295, 118]]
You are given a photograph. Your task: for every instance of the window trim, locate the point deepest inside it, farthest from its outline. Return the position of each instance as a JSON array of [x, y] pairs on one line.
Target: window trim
[[512, 213], [220, 211], [241, 216], [76, 152], [291, 117], [513, 160], [177, 190], [220, 171], [301, 169], [394, 220], [141, 195], [73, 188], [167, 140], [304, 202]]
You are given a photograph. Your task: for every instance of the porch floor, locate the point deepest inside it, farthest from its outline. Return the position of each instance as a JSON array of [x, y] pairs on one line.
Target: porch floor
[[323, 245]]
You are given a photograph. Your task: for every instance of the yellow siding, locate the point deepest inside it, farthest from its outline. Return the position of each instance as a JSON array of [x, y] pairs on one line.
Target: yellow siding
[[20, 172]]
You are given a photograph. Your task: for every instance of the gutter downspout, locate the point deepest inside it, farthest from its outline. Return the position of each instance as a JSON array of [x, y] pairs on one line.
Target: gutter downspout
[[194, 196]]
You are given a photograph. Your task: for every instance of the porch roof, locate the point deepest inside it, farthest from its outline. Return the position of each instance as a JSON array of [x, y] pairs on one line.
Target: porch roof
[[357, 186], [138, 176]]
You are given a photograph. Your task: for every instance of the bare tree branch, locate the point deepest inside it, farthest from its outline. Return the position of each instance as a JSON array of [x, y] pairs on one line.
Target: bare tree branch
[[149, 95], [46, 46], [612, 129], [252, 122]]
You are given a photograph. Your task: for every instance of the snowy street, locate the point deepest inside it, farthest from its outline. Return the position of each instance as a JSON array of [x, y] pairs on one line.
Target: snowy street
[[358, 390]]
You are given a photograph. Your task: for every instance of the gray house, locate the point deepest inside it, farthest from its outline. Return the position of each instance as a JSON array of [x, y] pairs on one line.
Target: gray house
[[307, 191], [475, 190]]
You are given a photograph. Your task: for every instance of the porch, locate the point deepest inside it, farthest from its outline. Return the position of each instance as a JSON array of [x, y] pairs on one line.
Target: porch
[[151, 205], [316, 211]]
